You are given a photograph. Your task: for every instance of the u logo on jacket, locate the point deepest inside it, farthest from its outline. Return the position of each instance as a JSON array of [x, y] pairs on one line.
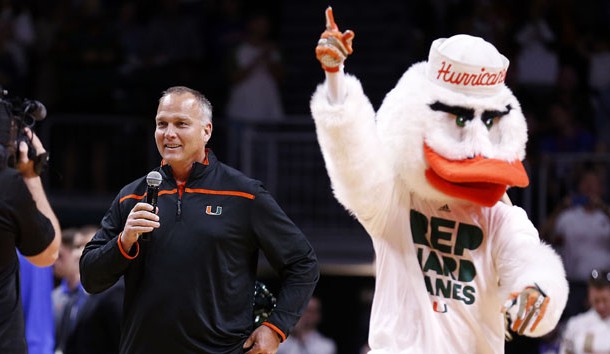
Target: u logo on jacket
[[208, 210]]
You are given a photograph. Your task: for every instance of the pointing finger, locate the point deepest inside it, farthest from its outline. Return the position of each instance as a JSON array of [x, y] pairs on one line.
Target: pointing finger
[[330, 20]]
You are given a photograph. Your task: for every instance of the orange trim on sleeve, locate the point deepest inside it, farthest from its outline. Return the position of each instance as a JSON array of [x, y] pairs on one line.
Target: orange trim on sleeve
[[210, 191], [125, 254], [276, 330]]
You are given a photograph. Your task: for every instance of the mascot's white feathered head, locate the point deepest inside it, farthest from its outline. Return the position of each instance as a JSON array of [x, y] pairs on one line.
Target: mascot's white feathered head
[[453, 128]]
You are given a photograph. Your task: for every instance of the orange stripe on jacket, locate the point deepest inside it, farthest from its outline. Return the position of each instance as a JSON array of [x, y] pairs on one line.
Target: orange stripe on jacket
[[210, 191], [135, 196], [132, 196], [169, 191], [192, 190]]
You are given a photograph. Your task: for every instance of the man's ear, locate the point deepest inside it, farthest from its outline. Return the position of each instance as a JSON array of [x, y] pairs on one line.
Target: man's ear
[[207, 130]]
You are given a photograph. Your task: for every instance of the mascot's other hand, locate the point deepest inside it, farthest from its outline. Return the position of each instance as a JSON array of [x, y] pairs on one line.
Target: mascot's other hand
[[333, 46], [526, 309]]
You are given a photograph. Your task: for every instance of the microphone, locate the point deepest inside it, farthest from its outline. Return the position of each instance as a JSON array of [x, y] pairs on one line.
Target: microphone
[[153, 179]]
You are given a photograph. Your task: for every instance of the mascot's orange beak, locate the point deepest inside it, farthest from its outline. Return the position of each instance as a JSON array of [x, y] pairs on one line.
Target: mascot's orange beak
[[479, 180]]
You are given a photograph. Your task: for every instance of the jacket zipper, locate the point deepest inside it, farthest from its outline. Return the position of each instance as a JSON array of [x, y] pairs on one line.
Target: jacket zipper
[[179, 204]]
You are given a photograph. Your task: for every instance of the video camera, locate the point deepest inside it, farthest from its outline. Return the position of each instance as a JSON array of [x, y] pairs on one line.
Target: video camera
[[15, 115]]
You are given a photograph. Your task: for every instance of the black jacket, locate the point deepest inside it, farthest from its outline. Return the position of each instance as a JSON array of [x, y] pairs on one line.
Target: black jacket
[[190, 287]]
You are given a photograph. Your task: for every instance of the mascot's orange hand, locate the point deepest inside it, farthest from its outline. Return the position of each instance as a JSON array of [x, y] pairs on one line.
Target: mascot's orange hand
[[333, 46], [526, 309]]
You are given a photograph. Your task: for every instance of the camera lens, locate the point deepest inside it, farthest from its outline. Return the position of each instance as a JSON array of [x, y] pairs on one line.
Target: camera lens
[[28, 121]]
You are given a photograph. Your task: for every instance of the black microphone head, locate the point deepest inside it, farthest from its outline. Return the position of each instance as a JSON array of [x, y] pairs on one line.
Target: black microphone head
[[154, 179]]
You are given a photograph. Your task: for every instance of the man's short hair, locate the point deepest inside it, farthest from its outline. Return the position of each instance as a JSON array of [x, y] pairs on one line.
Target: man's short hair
[[67, 237], [206, 106]]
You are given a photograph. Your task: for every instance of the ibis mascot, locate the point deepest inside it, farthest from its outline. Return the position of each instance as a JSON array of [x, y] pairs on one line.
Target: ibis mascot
[[426, 176]]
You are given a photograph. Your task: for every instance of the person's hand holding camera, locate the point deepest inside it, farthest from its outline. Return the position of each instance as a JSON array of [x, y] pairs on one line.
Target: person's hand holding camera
[[31, 168]]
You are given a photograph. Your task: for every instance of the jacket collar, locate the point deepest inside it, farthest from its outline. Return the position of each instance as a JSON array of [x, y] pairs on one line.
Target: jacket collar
[[199, 168]]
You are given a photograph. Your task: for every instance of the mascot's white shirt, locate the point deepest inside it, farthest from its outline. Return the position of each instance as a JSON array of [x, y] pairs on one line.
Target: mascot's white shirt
[[438, 265]]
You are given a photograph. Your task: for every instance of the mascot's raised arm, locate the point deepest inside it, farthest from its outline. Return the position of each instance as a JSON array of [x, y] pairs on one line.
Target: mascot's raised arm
[[425, 176]]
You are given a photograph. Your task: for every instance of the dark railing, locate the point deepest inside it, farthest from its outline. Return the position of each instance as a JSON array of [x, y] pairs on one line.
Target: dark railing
[[287, 158]]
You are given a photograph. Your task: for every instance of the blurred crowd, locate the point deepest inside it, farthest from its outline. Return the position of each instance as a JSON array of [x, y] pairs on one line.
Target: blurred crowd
[[115, 57], [106, 56], [98, 56]]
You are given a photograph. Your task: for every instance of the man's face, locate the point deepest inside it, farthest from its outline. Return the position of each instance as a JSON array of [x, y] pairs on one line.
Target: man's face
[[80, 241], [69, 255], [599, 298], [181, 133], [67, 262]]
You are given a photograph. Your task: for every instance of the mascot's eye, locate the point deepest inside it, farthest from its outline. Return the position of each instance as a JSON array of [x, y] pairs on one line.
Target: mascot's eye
[[489, 122], [460, 121]]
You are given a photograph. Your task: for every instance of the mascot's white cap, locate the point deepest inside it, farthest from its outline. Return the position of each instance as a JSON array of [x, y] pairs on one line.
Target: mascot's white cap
[[467, 65]]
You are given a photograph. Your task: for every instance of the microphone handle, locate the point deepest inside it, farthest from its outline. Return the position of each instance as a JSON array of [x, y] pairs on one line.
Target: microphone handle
[[151, 198]]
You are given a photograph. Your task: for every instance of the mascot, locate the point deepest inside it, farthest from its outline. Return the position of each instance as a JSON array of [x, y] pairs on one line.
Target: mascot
[[426, 176]]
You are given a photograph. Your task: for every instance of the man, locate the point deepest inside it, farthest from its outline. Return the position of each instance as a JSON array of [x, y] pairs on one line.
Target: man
[[189, 281], [98, 327], [29, 224], [94, 326], [588, 332], [69, 296], [580, 229]]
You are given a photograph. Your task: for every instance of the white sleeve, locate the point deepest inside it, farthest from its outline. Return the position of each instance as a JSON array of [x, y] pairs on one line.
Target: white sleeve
[[523, 260], [359, 170]]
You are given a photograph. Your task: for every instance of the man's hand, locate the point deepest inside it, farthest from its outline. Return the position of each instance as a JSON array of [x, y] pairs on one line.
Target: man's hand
[[141, 219], [333, 46], [25, 166], [262, 341], [526, 309]]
